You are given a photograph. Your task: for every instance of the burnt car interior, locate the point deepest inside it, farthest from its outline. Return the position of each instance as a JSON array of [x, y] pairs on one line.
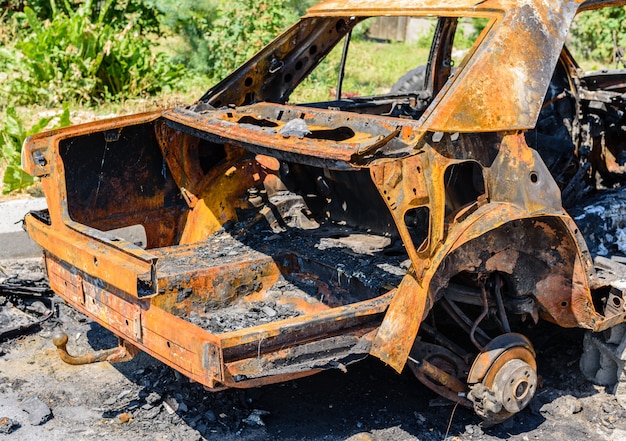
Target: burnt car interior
[[257, 210], [224, 215], [307, 212]]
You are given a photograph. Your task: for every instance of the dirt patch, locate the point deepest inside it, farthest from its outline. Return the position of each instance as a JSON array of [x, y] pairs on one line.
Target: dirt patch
[[145, 400]]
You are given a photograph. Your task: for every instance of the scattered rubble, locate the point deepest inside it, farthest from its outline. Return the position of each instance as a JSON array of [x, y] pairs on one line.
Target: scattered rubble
[[562, 407], [369, 258], [7, 425], [366, 259], [256, 418], [145, 400], [239, 317], [38, 412], [25, 299]]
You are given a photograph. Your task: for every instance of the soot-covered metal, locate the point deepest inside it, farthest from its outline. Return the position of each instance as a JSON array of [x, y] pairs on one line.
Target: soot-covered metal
[[427, 227]]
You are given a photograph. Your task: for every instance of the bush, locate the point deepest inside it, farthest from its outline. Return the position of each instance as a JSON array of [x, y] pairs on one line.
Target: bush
[[12, 136], [299, 7], [214, 32], [116, 13], [73, 57], [593, 33], [242, 29], [10, 6], [8, 37], [191, 20]]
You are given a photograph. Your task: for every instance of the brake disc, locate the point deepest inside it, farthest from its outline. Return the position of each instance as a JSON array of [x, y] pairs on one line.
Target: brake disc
[[503, 378]]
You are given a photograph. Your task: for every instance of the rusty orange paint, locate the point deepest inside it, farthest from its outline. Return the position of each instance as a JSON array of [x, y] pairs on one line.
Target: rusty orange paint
[[457, 188]]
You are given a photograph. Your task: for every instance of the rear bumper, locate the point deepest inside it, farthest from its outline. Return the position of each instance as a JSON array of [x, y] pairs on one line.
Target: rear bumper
[[81, 269]]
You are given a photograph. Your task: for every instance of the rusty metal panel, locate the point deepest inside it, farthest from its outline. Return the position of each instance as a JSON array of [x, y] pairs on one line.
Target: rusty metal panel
[[248, 126], [596, 4], [87, 255], [287, 239], [505, 72], [117, 313], [404, 7], [44, 141], [123, 315], [67, 281], [163, 335], [213, 361]]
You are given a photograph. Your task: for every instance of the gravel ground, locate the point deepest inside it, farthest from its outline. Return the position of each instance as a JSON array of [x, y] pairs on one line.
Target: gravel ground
[[43, 398]]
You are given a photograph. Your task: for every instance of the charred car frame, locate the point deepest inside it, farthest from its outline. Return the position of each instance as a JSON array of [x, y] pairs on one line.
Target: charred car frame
[[426, 228]]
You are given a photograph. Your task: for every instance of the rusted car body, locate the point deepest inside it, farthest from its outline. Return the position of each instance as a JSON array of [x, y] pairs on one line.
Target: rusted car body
[[426, 229]]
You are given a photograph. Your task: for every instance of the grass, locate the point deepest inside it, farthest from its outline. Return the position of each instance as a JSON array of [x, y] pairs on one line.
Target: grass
[[372, 68]]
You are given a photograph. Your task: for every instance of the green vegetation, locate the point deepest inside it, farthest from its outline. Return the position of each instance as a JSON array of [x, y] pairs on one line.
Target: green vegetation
[[377, 66], [372, 68], [74, 57], [595, 35], [105, 54], [201, 29], [299, 7], [244, 27], [12, 136], [115, 13], [188, 22]]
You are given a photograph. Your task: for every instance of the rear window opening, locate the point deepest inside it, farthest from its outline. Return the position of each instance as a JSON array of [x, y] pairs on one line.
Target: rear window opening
[[396, 80]]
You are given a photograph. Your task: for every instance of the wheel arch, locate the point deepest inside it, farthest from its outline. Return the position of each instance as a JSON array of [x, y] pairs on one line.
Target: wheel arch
[[540, 256], [544, 253]]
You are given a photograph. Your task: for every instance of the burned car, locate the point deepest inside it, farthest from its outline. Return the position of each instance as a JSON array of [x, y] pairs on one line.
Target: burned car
[[427, 228]]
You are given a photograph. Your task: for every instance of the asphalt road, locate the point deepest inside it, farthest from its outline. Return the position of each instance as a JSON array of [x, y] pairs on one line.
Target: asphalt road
[[14, 241]]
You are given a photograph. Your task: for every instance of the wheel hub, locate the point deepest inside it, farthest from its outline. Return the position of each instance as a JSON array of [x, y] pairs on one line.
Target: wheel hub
[[515, 385], [503, 378]]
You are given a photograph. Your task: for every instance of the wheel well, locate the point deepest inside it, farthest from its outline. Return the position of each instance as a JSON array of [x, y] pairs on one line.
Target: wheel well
[[536, 257]]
